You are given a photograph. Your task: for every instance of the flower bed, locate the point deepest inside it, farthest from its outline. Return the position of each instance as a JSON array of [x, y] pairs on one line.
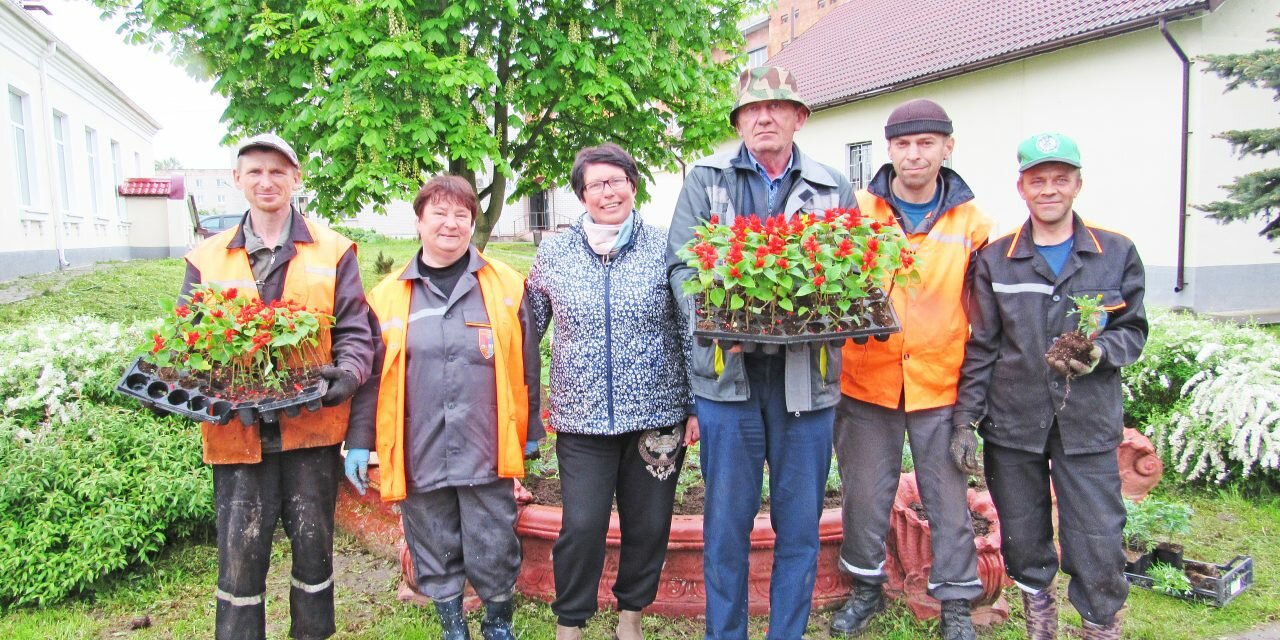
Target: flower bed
[[811, 278]]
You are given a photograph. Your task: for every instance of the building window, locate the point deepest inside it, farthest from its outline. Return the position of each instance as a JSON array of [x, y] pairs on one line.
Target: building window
[[860, 167], [784, 18], [199, 183], [222, 199], [117, 179], [822, 3], [137, 164], [62, 158], [23, 147], [757, 57], [91, 156]]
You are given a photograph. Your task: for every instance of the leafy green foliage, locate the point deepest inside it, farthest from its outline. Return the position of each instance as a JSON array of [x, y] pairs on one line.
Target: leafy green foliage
[[1089, 308], [378, 93], [1169, 579], [104, 491], [1154, 520], [361, 236], [1258, 193], [49, 369], [383, 264], [1208, 395]]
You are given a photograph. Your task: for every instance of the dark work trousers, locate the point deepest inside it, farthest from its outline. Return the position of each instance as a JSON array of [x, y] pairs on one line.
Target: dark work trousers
[[456, 534], [1090, 522], [299, 487], [868, 440], [592, 469]]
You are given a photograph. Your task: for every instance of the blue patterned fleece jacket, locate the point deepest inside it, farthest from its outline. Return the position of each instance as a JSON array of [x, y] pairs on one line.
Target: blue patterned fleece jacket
[[617, 352]]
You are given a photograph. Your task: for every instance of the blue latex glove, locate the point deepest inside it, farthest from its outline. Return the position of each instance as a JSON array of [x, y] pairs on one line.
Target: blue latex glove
[[357, 468]]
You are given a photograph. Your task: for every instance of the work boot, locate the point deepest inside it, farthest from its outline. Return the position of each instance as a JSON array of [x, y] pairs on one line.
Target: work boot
[[453, 625], [956, 622], [568, 633], [628, 626], [496, 624], [1091, 631], [866, 601], [1041, 610]]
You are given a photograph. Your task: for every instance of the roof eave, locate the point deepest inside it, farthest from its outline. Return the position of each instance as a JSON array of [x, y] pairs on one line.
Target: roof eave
[[1145, 22]]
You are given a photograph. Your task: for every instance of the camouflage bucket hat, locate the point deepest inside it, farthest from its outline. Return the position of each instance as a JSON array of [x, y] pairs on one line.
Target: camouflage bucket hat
[[765, 83]]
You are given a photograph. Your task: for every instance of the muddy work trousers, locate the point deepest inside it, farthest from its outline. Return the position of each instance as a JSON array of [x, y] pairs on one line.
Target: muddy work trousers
[[459, 534], [868, 440], [1090, 522], [300, 488]]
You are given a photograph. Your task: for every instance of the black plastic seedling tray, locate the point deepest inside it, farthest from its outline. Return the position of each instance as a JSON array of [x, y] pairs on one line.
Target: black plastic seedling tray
[[859, 336], [1234, 577], [190, 402]]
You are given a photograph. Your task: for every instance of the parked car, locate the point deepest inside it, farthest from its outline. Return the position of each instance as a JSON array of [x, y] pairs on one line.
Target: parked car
[[213, 225]]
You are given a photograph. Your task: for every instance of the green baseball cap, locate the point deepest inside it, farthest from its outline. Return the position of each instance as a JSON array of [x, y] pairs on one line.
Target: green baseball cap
[[1047, 147], [766, 83]]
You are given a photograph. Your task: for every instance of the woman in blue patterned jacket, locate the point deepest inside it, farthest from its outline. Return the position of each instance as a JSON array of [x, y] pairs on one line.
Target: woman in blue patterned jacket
[[620, 398]]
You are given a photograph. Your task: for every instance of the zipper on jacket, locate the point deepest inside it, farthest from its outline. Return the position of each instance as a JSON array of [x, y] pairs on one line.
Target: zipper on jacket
[[608, 345]]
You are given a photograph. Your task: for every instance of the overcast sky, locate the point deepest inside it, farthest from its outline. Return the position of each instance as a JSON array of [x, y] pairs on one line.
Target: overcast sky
[[187, 109]]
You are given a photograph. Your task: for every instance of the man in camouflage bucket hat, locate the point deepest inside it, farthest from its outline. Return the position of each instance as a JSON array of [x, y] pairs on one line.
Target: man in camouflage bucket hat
[[757, 407], [766, 83]]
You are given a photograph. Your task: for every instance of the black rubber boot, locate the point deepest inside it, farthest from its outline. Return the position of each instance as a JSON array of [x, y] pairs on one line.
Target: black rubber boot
[[497, 621], [956, 622], [453, 625], [866, 601]]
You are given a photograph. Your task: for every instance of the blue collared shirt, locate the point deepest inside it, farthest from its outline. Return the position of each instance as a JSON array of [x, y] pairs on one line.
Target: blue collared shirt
[[772, 184]]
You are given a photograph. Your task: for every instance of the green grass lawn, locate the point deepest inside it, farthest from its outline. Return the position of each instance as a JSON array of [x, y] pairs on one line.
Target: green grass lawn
[[176, 591]]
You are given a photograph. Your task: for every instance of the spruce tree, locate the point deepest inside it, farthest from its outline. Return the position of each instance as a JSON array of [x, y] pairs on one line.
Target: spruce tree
[[1254, 194]]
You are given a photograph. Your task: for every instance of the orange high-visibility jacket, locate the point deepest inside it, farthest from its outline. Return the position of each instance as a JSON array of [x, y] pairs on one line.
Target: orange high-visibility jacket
[[502, 289], [309, 281], [923, 361]]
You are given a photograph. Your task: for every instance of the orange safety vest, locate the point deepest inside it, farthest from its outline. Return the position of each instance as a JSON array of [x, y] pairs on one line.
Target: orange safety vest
[[924, 359], [310, 280], [502, 289]]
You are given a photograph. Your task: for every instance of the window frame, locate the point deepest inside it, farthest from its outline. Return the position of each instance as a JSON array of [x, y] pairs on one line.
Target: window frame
[[25, 170], [863, 151]]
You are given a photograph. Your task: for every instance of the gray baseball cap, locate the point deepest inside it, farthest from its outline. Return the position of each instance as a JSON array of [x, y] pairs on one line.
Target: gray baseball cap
[[268, 141]]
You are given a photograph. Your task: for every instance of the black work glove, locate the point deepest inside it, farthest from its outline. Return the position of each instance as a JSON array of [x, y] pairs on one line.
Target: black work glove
[[964, 448], [342, 385]]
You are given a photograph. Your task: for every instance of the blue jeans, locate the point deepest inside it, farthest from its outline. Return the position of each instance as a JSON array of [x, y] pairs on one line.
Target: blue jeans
[[737, 439]]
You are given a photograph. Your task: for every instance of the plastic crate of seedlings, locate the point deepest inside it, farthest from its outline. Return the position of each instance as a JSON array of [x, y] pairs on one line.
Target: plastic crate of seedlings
[[818, 277], [1215, 584], [219, 356]]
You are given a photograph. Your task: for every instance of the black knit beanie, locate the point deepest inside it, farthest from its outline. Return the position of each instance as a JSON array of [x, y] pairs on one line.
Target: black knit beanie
[[917, 116]]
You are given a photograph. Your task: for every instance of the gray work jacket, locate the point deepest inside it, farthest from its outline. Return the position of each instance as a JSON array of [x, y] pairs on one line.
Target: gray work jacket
[[1017, 308], [715, 186]]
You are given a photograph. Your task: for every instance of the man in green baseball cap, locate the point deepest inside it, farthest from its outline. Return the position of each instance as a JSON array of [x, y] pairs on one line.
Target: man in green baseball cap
[[1054, 419], [1047, 147], [757, 408]]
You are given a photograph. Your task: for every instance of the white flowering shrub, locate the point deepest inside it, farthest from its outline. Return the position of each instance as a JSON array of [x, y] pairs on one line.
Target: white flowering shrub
[[48, 367], [1208, 394]]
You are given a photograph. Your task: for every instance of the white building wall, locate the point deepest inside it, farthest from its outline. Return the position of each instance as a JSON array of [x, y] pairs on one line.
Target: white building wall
[[92, 222]]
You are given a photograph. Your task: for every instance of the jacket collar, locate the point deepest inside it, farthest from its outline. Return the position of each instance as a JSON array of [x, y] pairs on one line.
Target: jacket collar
[[298, 231], [955, 191], [1083, 239], [414, 270]]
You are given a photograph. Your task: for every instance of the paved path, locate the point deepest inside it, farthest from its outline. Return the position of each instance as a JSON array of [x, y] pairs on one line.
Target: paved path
[[1268, 632]]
